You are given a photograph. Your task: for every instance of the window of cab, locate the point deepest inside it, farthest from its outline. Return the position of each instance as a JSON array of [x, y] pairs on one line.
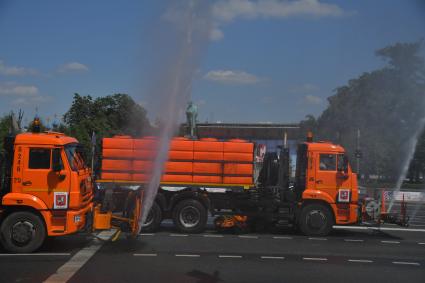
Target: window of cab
[[333, 162], [327, 162], [39, 158]]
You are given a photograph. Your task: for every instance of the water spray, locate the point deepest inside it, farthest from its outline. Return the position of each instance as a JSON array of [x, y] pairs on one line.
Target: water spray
[[190, 19], [410, 154]]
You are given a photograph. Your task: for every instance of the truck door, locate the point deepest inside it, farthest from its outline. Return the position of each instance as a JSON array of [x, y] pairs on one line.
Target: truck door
[[326, 174], [343, 176], [40, 180]]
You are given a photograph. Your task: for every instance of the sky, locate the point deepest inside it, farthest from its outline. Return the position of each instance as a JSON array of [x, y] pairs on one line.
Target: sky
[[266, 60]]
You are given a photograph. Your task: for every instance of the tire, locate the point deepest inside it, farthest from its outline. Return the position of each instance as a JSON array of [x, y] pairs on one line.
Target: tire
[[190, 216], [153, 220], [316, 220], [22, 232]]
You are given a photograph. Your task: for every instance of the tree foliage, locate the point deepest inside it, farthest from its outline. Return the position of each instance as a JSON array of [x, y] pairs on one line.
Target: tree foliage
[[4, 128], [105, 116], [385, 104]]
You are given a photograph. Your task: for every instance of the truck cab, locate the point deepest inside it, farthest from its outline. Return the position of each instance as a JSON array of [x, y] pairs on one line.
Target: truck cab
[[46, 189], [326, 187]]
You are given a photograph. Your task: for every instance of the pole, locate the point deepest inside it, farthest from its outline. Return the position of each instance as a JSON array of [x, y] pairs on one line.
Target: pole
[[358, 152], [92, 161], [93, 148]]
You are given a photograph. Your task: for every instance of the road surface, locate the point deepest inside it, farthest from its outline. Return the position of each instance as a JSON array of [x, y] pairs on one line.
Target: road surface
[[355, 255]]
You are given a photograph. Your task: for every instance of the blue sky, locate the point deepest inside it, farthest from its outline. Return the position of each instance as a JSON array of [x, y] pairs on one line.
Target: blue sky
[[267, 60]]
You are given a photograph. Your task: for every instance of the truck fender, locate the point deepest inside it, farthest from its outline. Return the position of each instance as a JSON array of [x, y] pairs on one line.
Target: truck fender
[[311, 194], [324, 198], [19, 199]]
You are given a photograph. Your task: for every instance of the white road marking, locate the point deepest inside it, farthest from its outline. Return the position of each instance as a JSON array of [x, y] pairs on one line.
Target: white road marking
[[187, 255], [390, 242], [282, 238], [377, 228], [406, 263], [147, 234], [318, 239], [213, 236], [360, 260], [229, 256], [272, 257], [179, 235], [353, 240], [38, 254], [248, 237], [315, 258], [144, 254], [66, 271], [421, 243]]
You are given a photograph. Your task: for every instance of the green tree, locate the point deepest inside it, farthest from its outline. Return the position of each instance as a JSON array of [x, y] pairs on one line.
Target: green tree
[[4, 128], [10, 124], [385, 104], [105, 116]]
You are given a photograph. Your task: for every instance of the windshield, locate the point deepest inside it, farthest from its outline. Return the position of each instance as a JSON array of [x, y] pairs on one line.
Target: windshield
[[75, 156]]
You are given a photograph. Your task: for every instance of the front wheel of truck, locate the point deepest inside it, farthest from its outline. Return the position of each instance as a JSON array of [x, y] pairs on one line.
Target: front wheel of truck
[[315, 220], [22, 232], [190, 216]]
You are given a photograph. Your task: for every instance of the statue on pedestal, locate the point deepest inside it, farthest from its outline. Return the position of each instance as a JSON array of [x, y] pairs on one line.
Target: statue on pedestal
[[191, 116]]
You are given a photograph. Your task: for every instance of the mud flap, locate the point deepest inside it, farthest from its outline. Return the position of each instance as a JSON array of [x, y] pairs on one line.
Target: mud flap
[[88, 227]]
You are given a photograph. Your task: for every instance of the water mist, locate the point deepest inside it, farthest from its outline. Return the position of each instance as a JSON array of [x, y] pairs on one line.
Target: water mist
[[409, 156], [187, 25]]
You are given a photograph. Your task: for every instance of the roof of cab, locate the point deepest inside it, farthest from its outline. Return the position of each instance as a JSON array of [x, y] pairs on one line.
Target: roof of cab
[[45, 138], [325, 146]]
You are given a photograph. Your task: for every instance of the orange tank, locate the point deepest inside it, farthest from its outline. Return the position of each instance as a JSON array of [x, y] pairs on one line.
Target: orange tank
[[202, 161]]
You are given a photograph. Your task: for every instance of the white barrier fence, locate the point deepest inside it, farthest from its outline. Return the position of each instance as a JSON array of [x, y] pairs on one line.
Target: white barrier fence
[[408, 196]]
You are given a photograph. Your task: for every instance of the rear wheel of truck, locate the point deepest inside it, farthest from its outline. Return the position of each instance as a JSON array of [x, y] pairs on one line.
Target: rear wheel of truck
[[153, 220], [22, 232], [190, 216], [315, 220]]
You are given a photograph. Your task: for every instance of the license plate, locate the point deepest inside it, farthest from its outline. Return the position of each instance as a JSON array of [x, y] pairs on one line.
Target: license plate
[[77, 218]]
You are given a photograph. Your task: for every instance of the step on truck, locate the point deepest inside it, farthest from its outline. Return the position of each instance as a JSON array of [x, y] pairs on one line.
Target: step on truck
[[46, 190], [238, 182]]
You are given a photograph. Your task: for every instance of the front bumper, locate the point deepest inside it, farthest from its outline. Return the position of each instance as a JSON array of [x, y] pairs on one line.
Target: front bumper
[[75, 221], [346, 213]]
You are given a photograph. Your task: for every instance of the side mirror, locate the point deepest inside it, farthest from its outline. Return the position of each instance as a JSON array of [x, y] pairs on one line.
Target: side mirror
[[343, 164], [56, 160], [345, 169]]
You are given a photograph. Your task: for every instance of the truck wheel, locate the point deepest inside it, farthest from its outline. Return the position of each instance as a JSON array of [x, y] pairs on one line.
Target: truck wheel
[[315, 220], [153, 220], [22, 232], [190, 216]]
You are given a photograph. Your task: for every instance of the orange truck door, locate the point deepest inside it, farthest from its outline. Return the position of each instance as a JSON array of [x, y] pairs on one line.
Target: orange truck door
[[326, 174], [343, 176], [39, 179]]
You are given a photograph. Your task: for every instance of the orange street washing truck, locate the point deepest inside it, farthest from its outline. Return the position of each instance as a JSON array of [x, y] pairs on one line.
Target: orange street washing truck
[[46, 190], [236, 182]]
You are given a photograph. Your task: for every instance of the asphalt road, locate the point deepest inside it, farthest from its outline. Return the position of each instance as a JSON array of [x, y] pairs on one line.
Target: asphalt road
[[345, 255]]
